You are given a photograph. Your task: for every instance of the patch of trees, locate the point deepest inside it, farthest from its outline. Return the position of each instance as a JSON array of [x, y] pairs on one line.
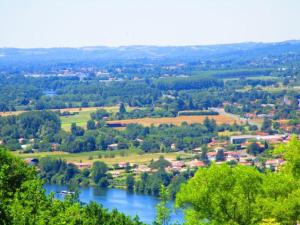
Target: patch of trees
[[42, 125], [244, 195], [58, 171], [188, 83], [23, 200]]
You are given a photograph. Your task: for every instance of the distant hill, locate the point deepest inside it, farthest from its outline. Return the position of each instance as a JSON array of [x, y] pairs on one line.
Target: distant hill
[[151, 54]]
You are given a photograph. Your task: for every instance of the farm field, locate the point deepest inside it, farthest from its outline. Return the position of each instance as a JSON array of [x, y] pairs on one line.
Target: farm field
[[220, 119], [84, 115], [80, 119], [109, 157]]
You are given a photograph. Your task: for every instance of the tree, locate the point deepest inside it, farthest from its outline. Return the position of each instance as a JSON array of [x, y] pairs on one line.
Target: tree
[[122, 109], [242, 195], [221, 195], [90, 125], [291, 153], [161, 163], [267, 125], [23, 201], [130, 182], [99, 170], [162, 210], [220, 155], [253, 149]]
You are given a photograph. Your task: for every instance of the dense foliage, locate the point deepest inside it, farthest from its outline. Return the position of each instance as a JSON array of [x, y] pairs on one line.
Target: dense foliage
[[23, 201], [242, 195]]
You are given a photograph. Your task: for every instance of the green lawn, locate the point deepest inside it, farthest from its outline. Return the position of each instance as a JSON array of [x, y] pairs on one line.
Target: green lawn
[[109, 157], [80, 119], [84, 115]]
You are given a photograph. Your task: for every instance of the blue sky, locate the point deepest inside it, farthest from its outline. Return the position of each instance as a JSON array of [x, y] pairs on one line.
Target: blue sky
[[74, 23]]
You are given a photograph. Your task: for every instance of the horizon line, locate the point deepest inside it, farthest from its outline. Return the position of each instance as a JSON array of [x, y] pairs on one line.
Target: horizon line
[[155, 45]]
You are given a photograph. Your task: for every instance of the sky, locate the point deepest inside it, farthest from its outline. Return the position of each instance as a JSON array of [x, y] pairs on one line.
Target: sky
[[75, 23]]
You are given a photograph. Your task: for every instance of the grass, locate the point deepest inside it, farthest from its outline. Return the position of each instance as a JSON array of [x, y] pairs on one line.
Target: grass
[[80, 119], [131, 156], [84, 114], [228, 133], [220, 119]]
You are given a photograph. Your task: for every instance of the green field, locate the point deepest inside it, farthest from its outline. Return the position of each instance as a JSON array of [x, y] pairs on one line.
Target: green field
[[84, 115], [109, 157]]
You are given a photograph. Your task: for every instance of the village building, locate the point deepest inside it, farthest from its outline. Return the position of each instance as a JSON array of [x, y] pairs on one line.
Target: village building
[[82, 165], [195, 164], [273, 164], [113, 146], [212, 156], [241, 138], [173, 146], [22, 141]]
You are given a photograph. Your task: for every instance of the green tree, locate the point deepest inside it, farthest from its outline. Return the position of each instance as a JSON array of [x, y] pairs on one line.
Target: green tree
[[253, 149], [162, 210], [122, 109], [23, 201], [90, 125], [130, 182], [222, 195], [220, 155], [99, 170]]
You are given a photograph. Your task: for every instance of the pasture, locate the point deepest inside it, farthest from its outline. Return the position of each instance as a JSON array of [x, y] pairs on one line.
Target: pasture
[[220, 119], [109, 157]]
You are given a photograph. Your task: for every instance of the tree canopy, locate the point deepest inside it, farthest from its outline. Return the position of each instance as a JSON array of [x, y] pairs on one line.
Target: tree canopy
[[23, 201], [223, 194]]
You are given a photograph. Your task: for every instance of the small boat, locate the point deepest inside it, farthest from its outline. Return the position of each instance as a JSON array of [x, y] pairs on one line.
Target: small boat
[[67, 192]]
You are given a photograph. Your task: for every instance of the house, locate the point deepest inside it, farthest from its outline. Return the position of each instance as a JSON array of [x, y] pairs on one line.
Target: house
[[249, 115], [177, 164], [115, 173], [122, 164], [82, 165], [31, 161], [241, 138], [274, 139], [196, 163], [232, 155], [173, 146], [113, 146], [24, 147], [211, 156], [141, 169], [273, 164], [22, 141], [139, 140], [54, 146], [197, 150]]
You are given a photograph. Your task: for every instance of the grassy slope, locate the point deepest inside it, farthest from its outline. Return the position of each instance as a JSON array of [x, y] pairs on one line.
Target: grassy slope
[[131, 156]]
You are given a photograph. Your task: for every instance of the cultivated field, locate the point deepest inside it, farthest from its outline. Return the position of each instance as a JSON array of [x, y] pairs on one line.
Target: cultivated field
[[220, 119]]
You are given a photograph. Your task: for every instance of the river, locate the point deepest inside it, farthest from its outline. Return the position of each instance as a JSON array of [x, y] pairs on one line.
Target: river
[[129, 203]]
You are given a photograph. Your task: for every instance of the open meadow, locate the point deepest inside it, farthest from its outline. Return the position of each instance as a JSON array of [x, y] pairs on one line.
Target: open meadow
[[109, 157], [220, 119]]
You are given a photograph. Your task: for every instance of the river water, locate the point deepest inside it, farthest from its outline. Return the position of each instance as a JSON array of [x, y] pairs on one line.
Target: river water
[[126, 202]]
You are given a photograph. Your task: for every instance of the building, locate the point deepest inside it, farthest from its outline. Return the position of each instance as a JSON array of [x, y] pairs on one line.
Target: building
[[82, 165], [173, 146], [211, 156], [196, 163], [273, 164], [241, 139], [113, 146]]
